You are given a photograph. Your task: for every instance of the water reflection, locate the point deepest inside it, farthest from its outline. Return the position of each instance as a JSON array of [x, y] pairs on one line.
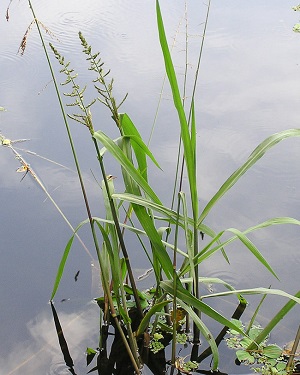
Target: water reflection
[[40, 353]]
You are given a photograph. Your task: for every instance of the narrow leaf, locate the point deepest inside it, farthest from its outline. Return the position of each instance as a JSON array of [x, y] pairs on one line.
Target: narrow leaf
[[259, 151]]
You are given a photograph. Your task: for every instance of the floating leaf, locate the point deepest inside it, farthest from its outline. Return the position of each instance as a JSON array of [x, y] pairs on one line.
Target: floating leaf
[[245, 342], [281, 366], [244, 356], [272, 351]]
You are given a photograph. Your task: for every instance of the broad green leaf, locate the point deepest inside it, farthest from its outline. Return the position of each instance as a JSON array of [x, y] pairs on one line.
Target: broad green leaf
[[259, 151], [208, 251], [272, 351], [254, 250]]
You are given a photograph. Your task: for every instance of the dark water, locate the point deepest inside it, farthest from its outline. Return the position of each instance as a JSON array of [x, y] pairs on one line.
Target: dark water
[[248, 89]]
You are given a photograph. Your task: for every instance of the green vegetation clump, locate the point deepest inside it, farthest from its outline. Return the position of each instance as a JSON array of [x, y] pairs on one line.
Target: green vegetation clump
[[143, 321]]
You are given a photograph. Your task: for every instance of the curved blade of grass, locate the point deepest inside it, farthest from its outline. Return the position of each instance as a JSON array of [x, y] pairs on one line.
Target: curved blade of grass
[[259, 151], [117, 153], [145, 321], [208, 251], [158, 207], [276, 292], [185, 133], [138, 232], [185, 296], [254, 250], [276, 319], [63, 261], [205, 332]]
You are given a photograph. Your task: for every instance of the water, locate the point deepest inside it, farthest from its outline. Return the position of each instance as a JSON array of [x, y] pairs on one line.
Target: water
[[248, 89]]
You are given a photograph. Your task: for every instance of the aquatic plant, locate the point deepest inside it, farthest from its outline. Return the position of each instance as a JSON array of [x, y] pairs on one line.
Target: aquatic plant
[[159, 316]]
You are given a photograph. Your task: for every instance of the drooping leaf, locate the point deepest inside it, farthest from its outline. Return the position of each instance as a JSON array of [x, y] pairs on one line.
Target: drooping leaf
[[259, 152]]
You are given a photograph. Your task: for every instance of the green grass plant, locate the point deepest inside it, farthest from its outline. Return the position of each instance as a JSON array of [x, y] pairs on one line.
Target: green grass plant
[[137, 315]]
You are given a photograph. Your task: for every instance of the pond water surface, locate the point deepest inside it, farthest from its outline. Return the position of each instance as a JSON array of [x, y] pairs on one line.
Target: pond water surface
[[248, 89]]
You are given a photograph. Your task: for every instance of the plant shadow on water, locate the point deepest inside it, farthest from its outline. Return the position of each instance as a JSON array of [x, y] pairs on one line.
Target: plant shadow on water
[[172, 310]]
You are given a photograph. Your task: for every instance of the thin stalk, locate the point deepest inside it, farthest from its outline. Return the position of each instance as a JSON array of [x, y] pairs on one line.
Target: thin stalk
[[131, 353], [196, 336], [63, 114], [289, 366], [173, 358], [111, 103], [119, 232]]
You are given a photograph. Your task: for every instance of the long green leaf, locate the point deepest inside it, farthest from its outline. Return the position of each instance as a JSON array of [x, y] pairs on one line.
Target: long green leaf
[[245, 240], [276, 319], [205, 332], [170, 214], [185, 134], [276, 292], [63, 261], [185, 296], [117, 153], [207, 251], [61, 267], [139, 147], [188, 238], [259, 151]]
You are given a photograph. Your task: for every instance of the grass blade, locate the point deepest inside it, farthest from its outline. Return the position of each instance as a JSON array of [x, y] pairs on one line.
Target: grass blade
[[276, 319], [63, 261], [205, 332], [139, 147], [276, 292], [259, 151], [189, 299], [126, 164], [185, 134]]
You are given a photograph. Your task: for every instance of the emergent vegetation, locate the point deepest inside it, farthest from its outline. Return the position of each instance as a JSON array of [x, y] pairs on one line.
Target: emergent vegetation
[[145, 322]]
